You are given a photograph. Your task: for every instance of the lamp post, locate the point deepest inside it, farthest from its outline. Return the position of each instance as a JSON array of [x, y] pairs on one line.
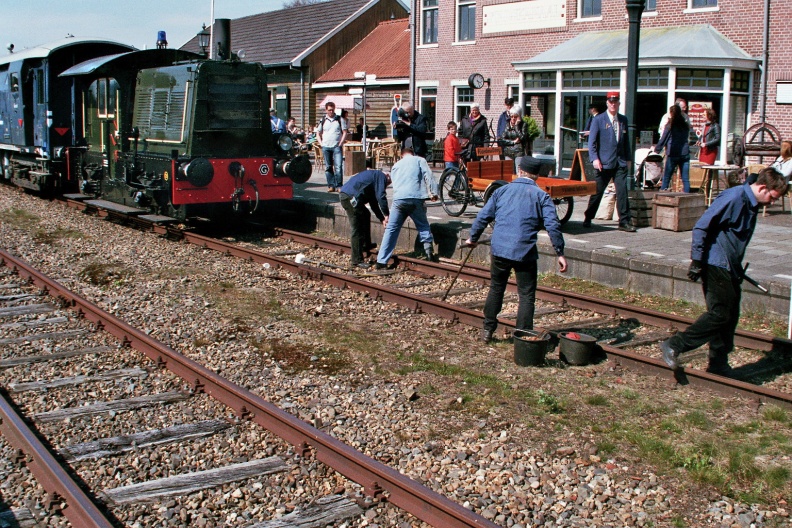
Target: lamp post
[[203, 39], [366, 77], [634, 10]]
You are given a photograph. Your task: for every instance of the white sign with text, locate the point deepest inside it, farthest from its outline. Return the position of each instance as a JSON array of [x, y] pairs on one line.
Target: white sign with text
[[524, 16]]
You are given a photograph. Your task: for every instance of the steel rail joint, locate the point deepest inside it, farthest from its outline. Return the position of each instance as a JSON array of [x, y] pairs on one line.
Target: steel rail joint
[[413, 497]]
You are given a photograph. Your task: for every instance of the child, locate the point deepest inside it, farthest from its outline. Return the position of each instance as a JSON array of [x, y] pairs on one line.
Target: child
[[451, 147]]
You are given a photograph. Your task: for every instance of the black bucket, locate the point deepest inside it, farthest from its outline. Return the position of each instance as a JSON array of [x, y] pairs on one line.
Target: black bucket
[[528, 350], [576, 348]]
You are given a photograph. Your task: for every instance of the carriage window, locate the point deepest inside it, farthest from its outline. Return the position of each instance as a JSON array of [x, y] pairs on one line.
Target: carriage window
[[14, 82], [39, 87], [105, 92]]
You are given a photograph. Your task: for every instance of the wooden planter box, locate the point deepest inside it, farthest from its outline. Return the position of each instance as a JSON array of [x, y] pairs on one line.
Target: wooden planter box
[[677, 211], [641, 207]]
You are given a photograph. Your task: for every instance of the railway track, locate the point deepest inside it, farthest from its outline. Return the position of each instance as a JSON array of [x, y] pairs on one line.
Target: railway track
[[82, 356], [337, 275]]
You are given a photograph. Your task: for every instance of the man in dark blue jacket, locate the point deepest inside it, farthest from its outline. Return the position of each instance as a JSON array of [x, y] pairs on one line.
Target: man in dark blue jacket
[[519, 211], [720, 238], [610, 154], [367, 187]]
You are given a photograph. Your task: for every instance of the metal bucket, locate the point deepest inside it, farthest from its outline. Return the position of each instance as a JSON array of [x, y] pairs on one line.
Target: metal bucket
[[576, 348], [528, 350]]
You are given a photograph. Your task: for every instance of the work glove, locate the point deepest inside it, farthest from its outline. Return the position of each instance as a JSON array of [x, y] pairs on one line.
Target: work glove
[[694, 271]]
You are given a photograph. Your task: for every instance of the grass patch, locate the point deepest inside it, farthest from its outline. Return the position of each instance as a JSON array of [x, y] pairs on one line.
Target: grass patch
[[696, 419], [19, 218], [103, 273], [44, 236], [774, 414], [597, 399], [551, 403]]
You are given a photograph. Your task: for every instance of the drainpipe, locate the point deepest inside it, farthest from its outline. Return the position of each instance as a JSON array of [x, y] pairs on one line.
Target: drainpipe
[[412, 52], [765, 59]]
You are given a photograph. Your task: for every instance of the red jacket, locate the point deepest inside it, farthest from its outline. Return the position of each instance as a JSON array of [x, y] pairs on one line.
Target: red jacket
[[451, 145]]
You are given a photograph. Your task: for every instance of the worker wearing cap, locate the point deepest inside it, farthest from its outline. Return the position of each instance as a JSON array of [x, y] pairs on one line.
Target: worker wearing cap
[[519, 211], [367, 187], [413, 184], [610, 154]]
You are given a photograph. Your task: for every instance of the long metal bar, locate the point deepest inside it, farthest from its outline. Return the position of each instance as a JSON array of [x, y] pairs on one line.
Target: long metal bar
[[375, 477], [80, 510]]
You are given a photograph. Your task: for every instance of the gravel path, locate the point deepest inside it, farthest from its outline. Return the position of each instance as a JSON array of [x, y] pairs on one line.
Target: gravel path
[[519, 446]]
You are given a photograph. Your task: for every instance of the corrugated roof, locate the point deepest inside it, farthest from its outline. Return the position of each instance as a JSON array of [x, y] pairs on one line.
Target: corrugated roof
[[278, 37], [657, 43], [384, 52]]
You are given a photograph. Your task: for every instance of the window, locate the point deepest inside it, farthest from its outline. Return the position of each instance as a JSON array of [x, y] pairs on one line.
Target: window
[[466, 29], [654, 78], [429, 21], [464, 97], [651, 5], [103, 92], [428, 98], [539, 81], [14, 82], [592, 79], [590, 8], [739, 81], [712, 79], [698, 4]]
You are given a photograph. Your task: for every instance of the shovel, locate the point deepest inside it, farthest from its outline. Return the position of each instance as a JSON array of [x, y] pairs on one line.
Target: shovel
[[464, 261]]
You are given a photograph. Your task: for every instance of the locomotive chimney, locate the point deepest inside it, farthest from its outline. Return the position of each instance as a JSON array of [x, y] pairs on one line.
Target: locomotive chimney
[[222, 38]]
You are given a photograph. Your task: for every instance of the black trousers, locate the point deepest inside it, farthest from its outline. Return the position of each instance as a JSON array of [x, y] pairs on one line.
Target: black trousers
[[619, 176], [526, 273], [360, 224], [717, 326]]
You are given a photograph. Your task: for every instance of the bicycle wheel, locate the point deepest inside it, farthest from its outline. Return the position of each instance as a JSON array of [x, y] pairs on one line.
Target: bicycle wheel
[[564, 208], [492, 187], [454, 192]]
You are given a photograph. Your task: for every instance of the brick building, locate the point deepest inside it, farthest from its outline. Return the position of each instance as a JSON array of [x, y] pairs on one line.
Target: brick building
[[299, 44], [558, 56]]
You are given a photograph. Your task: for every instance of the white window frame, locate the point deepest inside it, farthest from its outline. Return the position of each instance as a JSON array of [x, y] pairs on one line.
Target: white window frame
[[458, 104], [589, 18], [459, 5], [691, 9], [424, 9]]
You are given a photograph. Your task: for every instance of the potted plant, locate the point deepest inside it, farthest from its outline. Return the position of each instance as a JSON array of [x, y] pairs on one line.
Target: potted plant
[[531, 131]]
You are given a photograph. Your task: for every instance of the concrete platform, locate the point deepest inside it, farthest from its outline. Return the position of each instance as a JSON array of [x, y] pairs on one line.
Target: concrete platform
[[650, 261]]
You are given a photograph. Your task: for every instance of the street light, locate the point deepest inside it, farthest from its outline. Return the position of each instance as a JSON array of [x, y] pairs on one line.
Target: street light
[[634, 10], [203, 39], [366, 78]]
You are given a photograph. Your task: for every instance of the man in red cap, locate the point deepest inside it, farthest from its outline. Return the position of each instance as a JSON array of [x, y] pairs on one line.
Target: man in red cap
[[610, 154]]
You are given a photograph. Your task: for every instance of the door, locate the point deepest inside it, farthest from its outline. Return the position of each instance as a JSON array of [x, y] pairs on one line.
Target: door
[[577, 110]]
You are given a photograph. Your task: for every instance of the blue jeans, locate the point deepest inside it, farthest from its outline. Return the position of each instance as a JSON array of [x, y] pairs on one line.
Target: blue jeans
[[333, 169], [683, 162], [451, 165], [414, 208]]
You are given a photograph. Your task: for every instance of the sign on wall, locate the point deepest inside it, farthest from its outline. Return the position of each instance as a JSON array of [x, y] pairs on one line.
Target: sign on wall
[[784, 92], [697, 113], [524, 16]]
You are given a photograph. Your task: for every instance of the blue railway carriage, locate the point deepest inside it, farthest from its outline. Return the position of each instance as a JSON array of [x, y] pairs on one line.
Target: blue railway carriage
[[37, 123]]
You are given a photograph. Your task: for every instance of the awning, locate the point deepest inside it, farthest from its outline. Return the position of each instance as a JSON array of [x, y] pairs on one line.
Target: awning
[[343, 101], [695, 46]]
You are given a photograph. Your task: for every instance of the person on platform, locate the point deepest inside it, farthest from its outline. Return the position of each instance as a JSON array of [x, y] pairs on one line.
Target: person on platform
[[395, 115], [367, 187], [412, 125], [710, 139], [451, 147], [474, 131], [512, 140], [610, 154], [675, 141], [503, 119], [332, 136], [278, 124], [682, 104], [783, 163], [413, 184], [520, 210], [720, 238], [593, 111]]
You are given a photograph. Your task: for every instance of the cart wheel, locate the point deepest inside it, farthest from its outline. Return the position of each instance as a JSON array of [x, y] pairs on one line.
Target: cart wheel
[[564, 207], [492, 187], [454, 192]]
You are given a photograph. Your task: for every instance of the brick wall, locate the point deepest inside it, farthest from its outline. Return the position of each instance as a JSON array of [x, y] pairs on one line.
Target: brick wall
[[739, 20]]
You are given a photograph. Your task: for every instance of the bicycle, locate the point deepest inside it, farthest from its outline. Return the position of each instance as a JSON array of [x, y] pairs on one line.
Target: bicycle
[[456, 193]]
